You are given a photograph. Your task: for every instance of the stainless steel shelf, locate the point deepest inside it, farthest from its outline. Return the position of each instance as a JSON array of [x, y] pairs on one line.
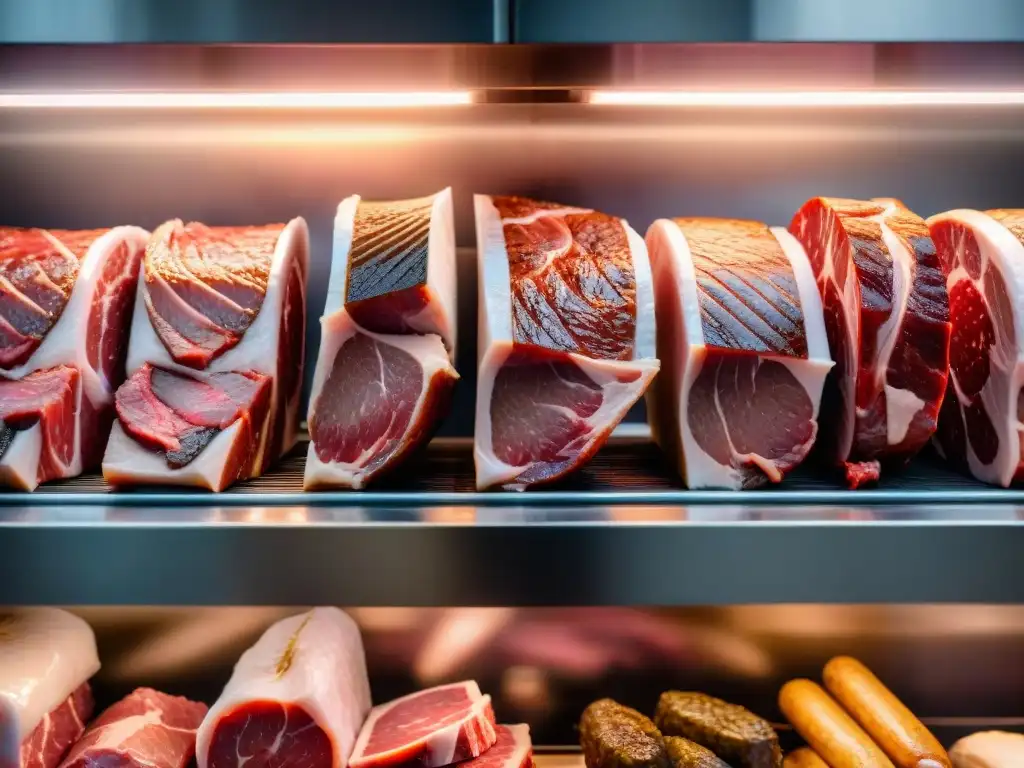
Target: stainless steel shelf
[[620, 533]]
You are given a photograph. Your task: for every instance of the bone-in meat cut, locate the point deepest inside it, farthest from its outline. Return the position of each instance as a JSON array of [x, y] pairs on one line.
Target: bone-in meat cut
[[887, 319], [512, 749], [215, 358], [566, 341], [981, 425], [146, 729], [384, 376], [427, 729], [66, 301], [743, 348], [297, 697], [46, 659]]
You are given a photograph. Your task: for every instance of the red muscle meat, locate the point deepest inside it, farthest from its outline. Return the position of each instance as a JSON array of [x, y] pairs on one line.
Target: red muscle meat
[[384, 377], [46, 746], [228, 303], [428, 729], [887, 318], [178, 415], [46, 402], [146, 729], [66, 300], [743, 348], [512, 749], [981, 426], [567, 346]]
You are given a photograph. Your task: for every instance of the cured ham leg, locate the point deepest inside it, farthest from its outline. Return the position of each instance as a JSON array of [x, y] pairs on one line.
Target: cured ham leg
[[384, 376], [887, 318], [566, 342], [146, 729], [66, 303], [46, 659], [220, 317], [298, 696], [742, 340], [981, 426]]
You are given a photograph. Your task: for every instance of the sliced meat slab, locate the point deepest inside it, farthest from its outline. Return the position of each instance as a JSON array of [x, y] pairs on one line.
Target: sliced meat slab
[[146, 729], [221, 311], [296, 698], [427, 729], [742, 339], [567, 337], [981, 426], [46, 659], [384, 375], [203, 427], [887, 318], [512, 749], [66, 300]]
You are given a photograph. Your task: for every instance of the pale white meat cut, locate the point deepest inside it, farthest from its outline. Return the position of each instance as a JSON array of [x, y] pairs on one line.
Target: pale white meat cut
[[257, 351], [315, 661], [679, 314], [1001, 250], [495, 339], [45, 654], [989, 749], [434, 349], [66, 344]]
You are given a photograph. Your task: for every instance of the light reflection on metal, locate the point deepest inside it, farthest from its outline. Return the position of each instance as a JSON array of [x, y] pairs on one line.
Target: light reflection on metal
[[234, 100], [852, 98], [458, 636]]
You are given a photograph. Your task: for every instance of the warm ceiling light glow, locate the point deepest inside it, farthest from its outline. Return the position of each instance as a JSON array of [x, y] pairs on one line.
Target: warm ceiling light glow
[[806, 98], [233, 100]]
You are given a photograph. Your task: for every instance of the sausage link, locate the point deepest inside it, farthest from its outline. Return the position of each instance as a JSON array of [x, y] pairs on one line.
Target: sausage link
[[827, 728], [886, 719], [805, 757]]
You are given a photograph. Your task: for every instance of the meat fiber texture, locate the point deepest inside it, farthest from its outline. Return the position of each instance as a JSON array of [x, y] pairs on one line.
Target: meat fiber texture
[[297, 697], [512, 748], [146, 729], [742, 339], [65, 308], [566, 337], [887, 318], [981, 425], [427, 729], [215, 305], [46, 659], [384, 376]]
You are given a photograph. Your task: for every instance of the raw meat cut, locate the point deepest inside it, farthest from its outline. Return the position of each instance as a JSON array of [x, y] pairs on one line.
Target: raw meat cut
[[566, 341], [384, 376], [177, 416], [297, 697], [220, 320], [512, 749], [66, 302], [887, 319], [431, 728], [981, 426], [741, 334], [146, 729], [46, 659]]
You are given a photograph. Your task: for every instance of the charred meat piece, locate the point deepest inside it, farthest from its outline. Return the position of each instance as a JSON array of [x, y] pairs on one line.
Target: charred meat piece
[[689, 754], [735, 734], [614, 736]]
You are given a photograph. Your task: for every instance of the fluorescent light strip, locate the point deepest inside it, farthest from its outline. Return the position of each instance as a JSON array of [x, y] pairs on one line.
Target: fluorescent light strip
[[805, 98], [233, 100]]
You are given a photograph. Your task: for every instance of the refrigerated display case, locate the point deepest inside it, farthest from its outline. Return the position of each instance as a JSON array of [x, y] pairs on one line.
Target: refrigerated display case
[[618, 580]]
